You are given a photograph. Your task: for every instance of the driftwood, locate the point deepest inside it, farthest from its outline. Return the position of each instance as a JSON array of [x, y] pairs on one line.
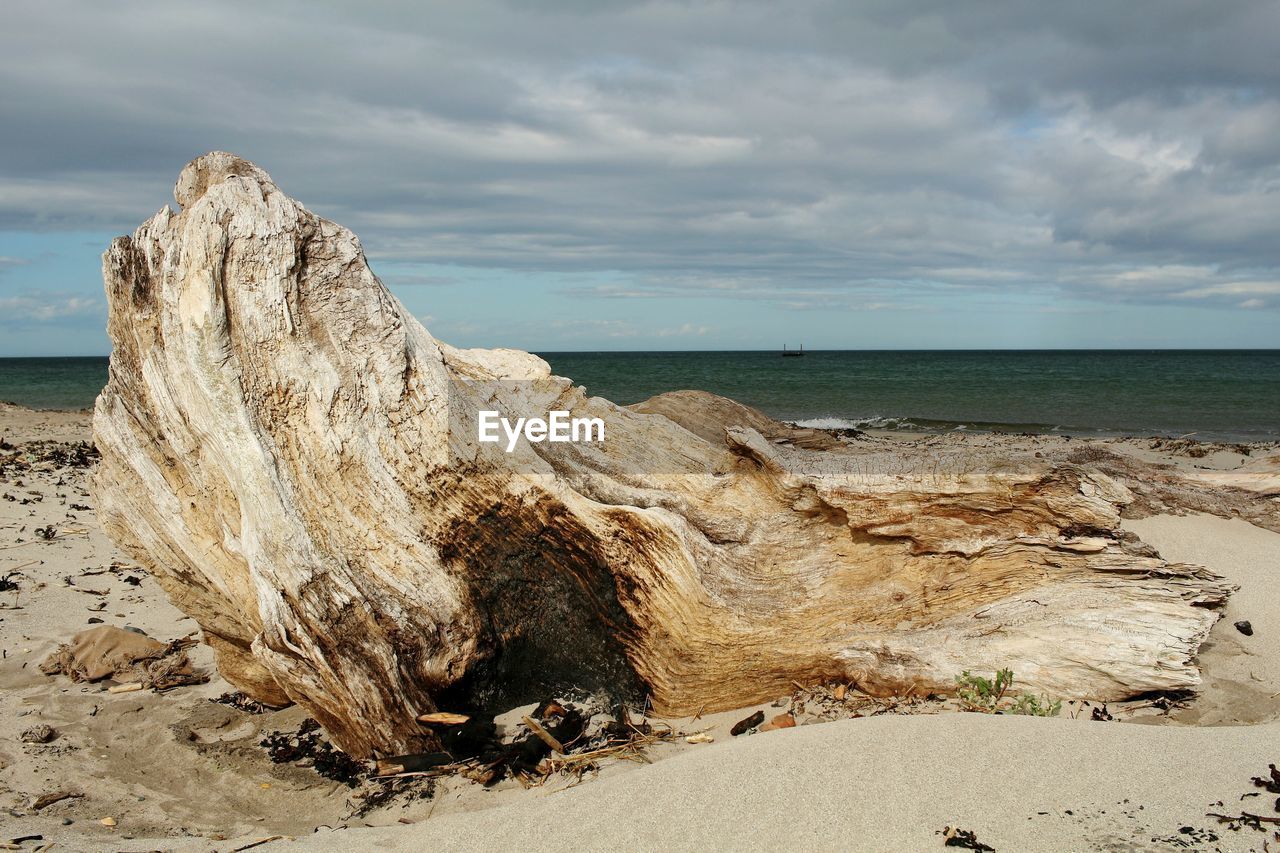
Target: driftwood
[[444, 718], [296, 460], [400, 764], [543, 735]]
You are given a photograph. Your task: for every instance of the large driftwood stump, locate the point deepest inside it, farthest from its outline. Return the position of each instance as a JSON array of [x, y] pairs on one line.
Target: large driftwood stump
[[295, 458]]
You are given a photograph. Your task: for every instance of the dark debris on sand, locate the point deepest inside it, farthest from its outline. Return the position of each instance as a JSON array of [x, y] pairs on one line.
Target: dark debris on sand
[[307, 743], [747, 724], [557, 738], [241, 702], [398, 789], [1187, 837], [1268, 782], [60, 454], [966, 839]]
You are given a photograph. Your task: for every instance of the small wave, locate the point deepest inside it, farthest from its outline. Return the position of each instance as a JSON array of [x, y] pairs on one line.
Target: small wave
[[914, 424], [937, 425], [872, 422]]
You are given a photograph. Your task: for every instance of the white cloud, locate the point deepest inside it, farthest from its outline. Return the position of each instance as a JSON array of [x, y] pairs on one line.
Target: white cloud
[[29, 308], [683, 331]]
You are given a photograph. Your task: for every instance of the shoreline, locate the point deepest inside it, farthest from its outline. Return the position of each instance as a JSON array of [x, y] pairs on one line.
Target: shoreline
[[204, 781], [905, 434], [1218, 395]]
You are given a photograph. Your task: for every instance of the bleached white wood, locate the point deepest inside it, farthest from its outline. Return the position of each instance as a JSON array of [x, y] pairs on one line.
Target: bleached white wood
[[295, 458]]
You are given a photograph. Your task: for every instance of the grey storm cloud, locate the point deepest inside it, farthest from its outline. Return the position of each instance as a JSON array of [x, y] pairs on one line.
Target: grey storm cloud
[[811, 153]]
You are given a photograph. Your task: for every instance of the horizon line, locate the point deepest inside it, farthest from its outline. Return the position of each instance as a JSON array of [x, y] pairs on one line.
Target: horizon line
[[821, 350]]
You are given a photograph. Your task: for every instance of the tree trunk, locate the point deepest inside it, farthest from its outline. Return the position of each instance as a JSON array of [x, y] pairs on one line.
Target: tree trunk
[[296, 459]]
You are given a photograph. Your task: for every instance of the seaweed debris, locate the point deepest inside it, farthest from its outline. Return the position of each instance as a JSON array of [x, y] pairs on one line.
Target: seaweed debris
[[555, 739], [241, 702], [403, 789], [307, 744], [953, 836], [19, 460], [747, 724], [1269, 782]]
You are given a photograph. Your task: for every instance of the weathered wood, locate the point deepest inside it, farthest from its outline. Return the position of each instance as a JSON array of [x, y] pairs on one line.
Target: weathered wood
[[543, 735], [295, 458], [443, 718], [401, 764]]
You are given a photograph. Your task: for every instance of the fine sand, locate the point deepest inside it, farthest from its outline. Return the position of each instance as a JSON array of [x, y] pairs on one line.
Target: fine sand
[[178, 771], [887, 783]]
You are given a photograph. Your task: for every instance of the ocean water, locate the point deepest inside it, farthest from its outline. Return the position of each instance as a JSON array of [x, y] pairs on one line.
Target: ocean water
[[71, 382], [1215, 394], [1211, 394]]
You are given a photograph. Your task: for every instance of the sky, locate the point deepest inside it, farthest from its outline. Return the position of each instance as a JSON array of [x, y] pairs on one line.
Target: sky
[[599, 174]]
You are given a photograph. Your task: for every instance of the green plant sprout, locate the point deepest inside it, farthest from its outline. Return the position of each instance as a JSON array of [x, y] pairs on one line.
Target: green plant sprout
[[988, 696]]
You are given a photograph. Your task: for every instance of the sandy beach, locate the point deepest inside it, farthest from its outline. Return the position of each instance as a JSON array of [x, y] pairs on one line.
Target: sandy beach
[[177, 770]]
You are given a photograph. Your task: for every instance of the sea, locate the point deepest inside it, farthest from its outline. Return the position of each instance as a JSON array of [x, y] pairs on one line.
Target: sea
[[1220, 395]]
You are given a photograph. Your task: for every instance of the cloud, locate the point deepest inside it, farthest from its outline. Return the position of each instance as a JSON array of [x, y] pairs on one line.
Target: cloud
[[683, 331], [41, 308], [835, 156], [586, 328], [418, 280], [866, 296], [1186, 284]]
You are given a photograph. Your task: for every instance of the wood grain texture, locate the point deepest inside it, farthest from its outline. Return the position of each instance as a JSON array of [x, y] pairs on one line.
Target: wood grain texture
[[295, 458]]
